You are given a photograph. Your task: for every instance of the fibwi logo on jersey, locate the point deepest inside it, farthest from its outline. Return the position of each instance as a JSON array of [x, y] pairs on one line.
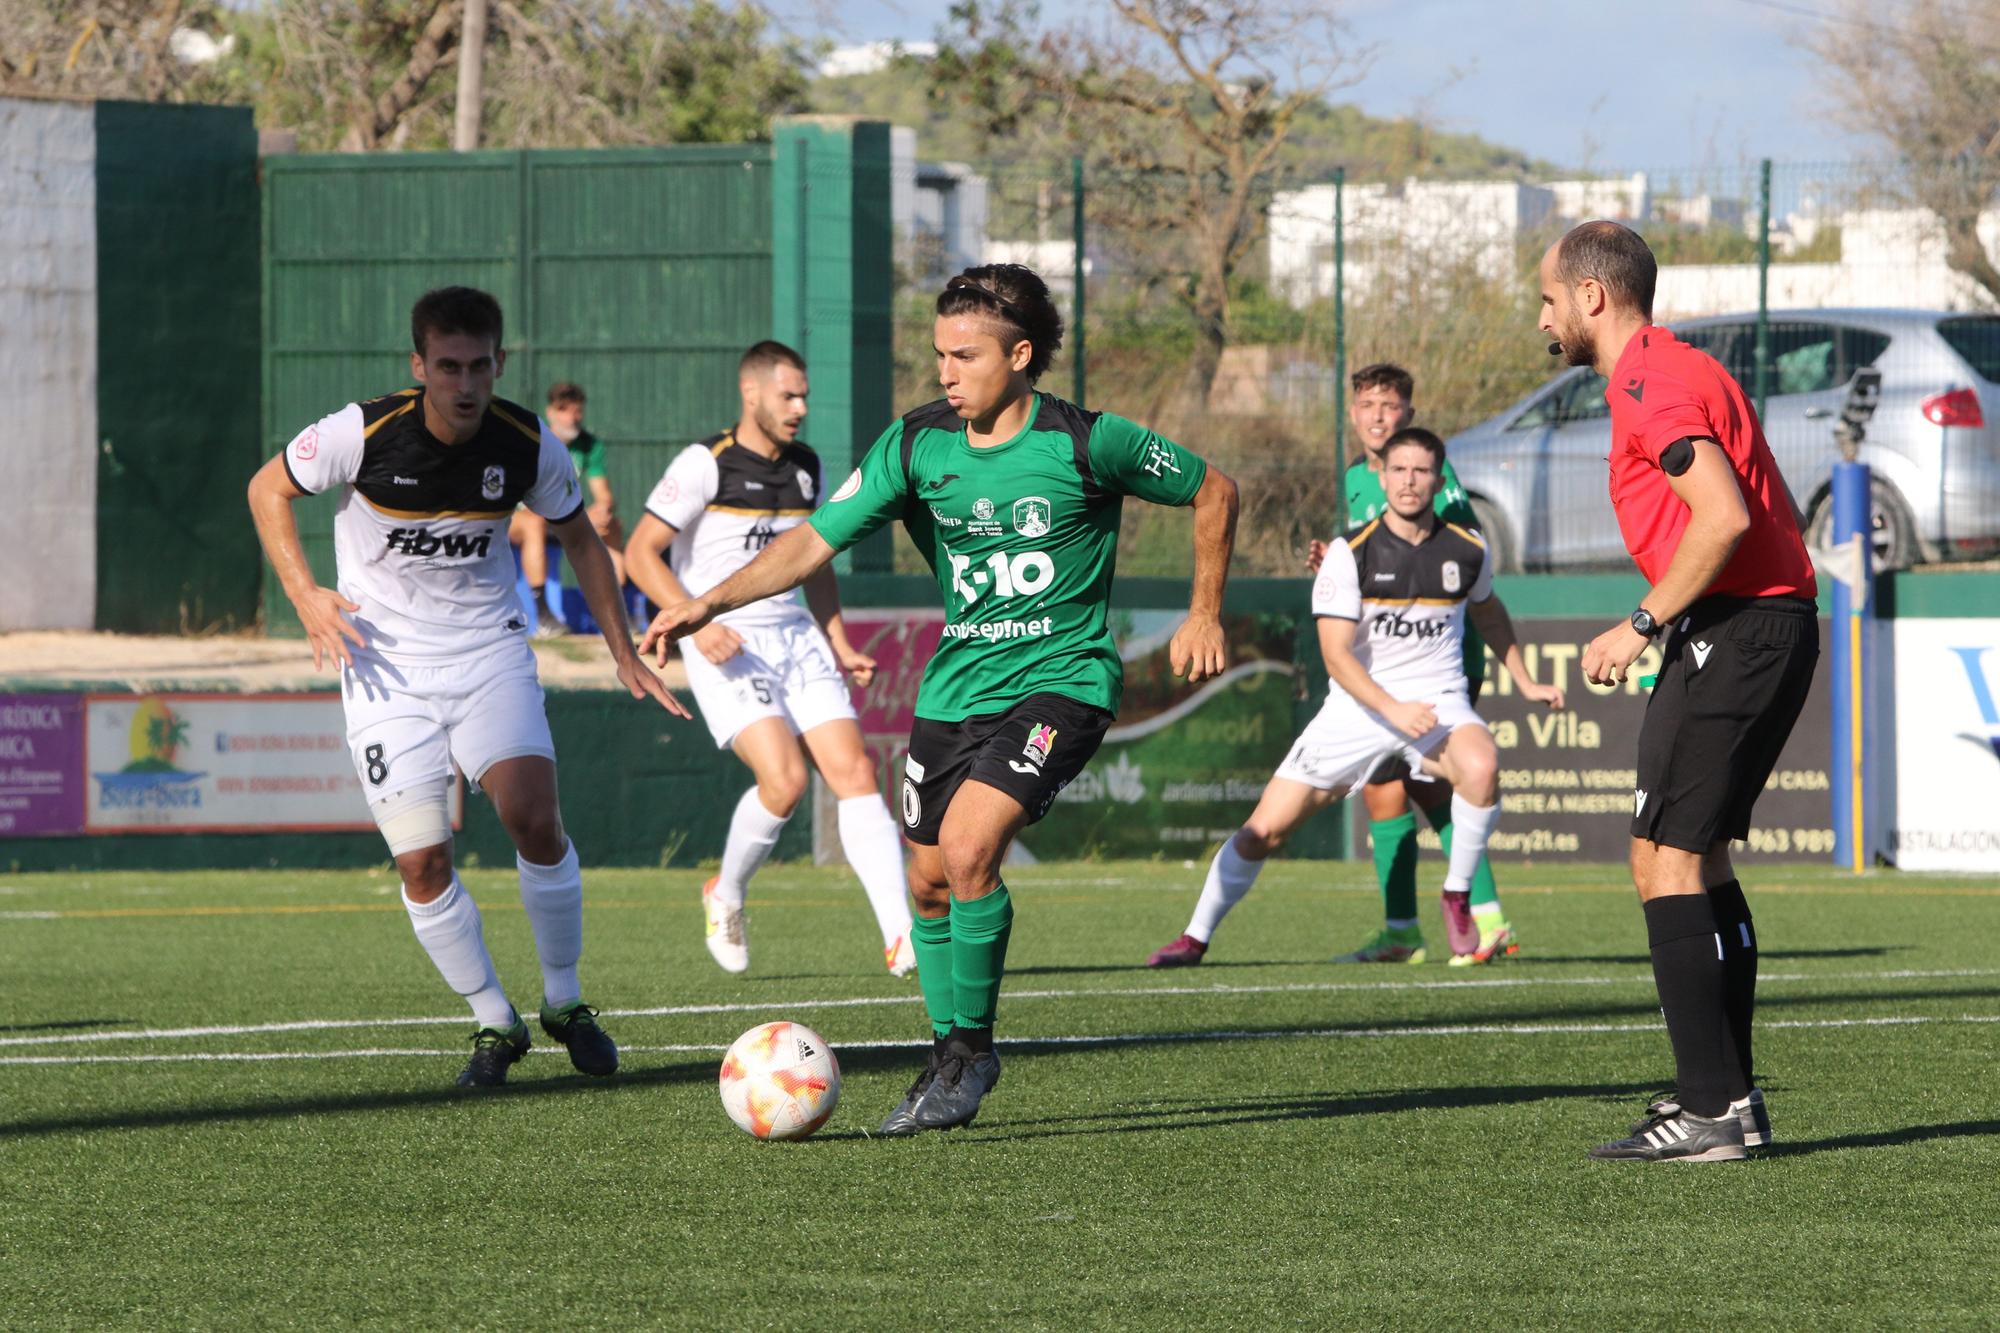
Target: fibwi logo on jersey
[[493, 482], [451, 545], [1031, 516]]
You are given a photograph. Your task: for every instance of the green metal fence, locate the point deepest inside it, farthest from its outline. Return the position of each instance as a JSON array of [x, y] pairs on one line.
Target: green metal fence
[[641, 274]]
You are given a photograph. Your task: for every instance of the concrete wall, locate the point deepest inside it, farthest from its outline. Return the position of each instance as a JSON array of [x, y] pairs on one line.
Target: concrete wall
[[48, 363]]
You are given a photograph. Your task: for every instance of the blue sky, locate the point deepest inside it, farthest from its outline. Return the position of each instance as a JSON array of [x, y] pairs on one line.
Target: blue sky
[[1658, 84]]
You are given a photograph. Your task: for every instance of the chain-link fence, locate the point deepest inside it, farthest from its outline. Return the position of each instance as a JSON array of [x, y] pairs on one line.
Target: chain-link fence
[[1831, 292]]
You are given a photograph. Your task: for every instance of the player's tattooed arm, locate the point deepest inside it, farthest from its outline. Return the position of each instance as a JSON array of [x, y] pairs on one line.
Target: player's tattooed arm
[[1497, 628], [645, 561], [782, 566], [1197, 650], [327, 630], [823, 599], [599, 583], [1336, 649]]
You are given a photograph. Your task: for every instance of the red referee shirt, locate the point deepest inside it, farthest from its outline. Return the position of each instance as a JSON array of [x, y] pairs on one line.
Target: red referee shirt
[[1663, 391]]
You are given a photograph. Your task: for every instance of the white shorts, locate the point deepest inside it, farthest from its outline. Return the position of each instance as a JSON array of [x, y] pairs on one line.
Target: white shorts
[[1345, 744], [784, 671], [407, 724]]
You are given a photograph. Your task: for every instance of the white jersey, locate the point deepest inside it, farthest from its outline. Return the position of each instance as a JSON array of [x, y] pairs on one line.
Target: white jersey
[[420, 532], [727, 503], [1409, 601]]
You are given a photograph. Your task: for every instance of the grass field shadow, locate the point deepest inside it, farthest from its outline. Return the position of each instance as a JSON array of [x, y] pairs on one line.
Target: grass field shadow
[[567, 1085], [1201, 1113], [65, 1024], [1888, 1138]]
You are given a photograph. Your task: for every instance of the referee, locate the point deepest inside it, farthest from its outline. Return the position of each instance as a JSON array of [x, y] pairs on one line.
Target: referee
[[1713, 529]]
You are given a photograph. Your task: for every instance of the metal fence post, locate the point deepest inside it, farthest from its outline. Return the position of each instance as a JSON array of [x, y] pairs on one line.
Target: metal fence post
[[1853, 626], [1339, 350], [1763, 284], [1076, 275]]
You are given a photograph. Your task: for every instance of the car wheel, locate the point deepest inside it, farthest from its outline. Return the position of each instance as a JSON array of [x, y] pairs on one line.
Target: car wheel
[[1892, 532], [1499, 541]]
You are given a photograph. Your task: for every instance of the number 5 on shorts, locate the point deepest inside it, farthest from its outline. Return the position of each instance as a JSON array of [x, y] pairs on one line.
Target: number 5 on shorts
[[762, 688]]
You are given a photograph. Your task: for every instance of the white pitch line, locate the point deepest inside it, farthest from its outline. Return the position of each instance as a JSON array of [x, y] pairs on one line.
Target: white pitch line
[[871, 1001], [1113, 1039]]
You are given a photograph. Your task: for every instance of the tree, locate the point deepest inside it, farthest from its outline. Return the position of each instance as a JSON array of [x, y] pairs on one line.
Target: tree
[[372, 74], [134, 49], [1190, 105], [1927, 85]]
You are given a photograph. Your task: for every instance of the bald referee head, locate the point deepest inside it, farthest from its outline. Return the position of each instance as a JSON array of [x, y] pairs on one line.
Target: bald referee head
[[1597, 289], [1729, 612]]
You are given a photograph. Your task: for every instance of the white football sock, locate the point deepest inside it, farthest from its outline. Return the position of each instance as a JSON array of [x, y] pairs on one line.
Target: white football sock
[[874, 848], [553, 899], [448, 927], [1229, 878], [1471, 826], [753, 832]]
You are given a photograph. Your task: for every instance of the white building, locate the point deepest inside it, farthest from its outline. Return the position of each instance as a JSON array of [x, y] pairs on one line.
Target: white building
[[1432, 223], [1618, 198], [1888, 257]]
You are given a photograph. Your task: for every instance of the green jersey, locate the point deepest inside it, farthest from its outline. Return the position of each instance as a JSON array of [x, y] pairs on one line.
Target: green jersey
[[1022, 537], [1366, 501], [586, 451]]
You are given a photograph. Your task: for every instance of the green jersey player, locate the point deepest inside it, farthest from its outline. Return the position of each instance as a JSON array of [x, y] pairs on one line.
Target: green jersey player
[[1381, 404], [1013, 497]]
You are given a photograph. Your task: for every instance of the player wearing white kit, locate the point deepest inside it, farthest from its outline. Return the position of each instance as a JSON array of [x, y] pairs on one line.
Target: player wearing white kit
[[769, 676], [1390, 603], [435, 664]]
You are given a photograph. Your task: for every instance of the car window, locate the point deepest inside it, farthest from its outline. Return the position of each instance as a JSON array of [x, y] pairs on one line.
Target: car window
[[1977, 339], [1582, 399]]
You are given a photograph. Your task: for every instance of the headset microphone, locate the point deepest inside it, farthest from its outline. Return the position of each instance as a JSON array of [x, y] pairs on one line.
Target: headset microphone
[[1555, 349]]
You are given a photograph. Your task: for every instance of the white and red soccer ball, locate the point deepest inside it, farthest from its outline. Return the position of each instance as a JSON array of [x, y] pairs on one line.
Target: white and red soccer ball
[[780, 1081]]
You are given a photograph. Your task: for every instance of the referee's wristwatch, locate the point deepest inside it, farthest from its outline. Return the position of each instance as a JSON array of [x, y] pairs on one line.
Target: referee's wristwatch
[[1642, 621]]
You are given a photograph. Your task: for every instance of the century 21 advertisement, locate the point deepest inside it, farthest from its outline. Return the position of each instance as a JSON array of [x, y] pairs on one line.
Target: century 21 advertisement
[[1182, 767]]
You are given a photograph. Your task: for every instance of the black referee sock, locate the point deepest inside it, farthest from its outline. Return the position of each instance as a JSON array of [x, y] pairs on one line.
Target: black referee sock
[[1739, 966], [1687, 969]]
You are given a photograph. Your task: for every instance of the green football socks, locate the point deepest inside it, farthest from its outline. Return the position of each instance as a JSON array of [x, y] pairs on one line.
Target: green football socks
[[979, 931], [1395, 843], [930, 939], [1484, 891]]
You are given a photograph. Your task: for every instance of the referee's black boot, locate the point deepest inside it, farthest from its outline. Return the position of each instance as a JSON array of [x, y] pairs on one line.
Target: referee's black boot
[[1671, 1133]]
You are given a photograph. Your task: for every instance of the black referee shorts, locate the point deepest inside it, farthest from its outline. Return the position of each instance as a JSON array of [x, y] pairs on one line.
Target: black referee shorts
[[1735, 675], [1031, 752]]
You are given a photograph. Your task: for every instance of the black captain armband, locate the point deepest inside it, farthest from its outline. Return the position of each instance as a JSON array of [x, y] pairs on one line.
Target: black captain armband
[[1678, 457]]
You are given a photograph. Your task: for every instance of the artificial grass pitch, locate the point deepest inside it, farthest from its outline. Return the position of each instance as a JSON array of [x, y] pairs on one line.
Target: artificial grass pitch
[[1264, 1139]]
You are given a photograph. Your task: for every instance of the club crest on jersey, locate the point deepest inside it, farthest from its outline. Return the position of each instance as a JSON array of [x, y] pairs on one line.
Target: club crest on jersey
[[1031, 516], [805, 484], [307, 445], [982, 509], [1451, 576], [848, 487], [493, 482], [1041, 739]]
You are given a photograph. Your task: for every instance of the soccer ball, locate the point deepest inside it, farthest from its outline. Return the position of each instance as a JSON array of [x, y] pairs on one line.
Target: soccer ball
[[780, 1081]]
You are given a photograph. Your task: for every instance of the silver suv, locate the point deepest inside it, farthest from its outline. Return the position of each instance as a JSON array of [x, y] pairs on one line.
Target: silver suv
[[1537, 472]]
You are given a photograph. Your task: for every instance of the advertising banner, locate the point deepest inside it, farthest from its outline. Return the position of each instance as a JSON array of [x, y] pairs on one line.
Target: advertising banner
[[1567, 778], [1947, 745], [222, 763], [41, 765], [1179, 770]]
